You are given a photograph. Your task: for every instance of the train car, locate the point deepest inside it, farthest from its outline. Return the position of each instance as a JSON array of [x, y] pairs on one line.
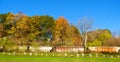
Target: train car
[[105, 49], [69, 49], [41, 49], [34, 49]]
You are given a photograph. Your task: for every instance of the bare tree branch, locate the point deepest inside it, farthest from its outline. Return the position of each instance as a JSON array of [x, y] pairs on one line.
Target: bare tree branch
[[84, 26]]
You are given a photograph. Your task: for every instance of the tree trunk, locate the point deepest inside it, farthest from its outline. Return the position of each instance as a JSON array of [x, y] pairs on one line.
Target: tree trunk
[[85, 42]]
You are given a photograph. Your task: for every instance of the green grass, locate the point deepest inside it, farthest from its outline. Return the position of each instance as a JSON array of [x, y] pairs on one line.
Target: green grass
[[39, 58]]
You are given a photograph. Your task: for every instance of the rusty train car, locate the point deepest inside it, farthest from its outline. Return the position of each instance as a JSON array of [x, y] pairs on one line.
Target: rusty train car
[[105, 49], [68, 49]]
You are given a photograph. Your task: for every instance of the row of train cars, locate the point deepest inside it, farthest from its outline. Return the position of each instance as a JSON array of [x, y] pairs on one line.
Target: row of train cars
[[76, 49]]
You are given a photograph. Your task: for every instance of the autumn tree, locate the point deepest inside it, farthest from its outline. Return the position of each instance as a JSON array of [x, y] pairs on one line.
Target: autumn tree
[[66, 34], [17, 26], [73, 36], [61, 26], [114, 41]]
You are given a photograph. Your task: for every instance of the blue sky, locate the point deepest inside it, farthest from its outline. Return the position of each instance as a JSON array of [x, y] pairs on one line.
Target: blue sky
[[104, 13]]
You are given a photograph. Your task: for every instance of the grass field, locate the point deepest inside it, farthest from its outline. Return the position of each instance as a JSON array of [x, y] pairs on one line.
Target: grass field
[[39, 58]]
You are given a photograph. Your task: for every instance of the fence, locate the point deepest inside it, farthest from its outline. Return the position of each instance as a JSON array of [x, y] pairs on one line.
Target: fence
[[90, 55]]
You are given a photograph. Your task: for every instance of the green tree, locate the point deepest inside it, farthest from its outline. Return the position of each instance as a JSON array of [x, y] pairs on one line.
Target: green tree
[[6, 43], [106, 34], [46, 26], [98, 37], [3, 25], [95, 43]]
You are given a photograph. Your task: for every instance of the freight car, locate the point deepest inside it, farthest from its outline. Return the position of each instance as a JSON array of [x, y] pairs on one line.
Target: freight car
[[105, 49], [68, 49]]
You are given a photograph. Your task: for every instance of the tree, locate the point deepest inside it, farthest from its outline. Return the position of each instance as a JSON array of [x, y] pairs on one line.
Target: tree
[[73, 37], [6, 43], [104, 36], [95, 42], [46, 27], [61, 26], [1, 30], [5, 23], [25, 28], [84, 26], [112, 41], [98, 37], [3, 17]]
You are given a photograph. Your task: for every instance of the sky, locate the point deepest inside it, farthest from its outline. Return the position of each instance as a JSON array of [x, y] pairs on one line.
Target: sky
[[104, 13]]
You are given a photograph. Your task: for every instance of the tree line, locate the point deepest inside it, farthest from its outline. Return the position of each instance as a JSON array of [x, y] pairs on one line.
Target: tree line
[[20, 29]]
